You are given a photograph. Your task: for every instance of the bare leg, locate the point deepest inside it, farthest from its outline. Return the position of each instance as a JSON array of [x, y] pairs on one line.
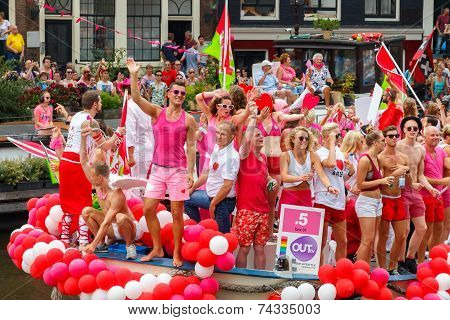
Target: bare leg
[[402, 255], [272, 198], [241, 259], [400, 238], [94, 218], [446, 229], [324, 239], [383, 233], [127, 229], [424, 243], [340, 235], [178, 227], [327, 96], [368, 231], [436, 234], [420, 228], [260, 257], [150, 206]]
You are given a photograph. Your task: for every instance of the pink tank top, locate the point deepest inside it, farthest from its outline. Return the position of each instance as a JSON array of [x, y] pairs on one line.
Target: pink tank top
[[288, 73], [211, 134], [275, 132], [170, 138], [434, 168]]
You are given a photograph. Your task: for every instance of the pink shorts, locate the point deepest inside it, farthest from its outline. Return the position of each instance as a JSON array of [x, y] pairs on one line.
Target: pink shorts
[[413, 201], [173, 180]]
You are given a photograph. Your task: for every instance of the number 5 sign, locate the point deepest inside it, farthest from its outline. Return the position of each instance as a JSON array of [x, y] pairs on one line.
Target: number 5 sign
[[300, 238]]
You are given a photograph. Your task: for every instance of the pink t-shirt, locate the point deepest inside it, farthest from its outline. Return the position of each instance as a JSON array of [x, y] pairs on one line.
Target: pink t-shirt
[[45, 117], [288, 73], [434, 168]]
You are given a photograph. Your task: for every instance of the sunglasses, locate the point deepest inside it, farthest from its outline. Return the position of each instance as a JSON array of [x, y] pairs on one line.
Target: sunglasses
[[301, 139], [414, 129], [226, 106], [191, 72], [86, 72], [179, 92], [47, 98], [392, 136], [177, 64], [69, 72], [159, 75]]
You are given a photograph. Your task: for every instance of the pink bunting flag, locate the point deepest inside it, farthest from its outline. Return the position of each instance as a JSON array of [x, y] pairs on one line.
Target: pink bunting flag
[[78, 20], [97, 27], [49, 7], [62, 13]]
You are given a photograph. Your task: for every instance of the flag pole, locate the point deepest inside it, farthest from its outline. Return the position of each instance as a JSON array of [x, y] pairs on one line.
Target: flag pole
[[412, 71], [225, 47], [403, 76]]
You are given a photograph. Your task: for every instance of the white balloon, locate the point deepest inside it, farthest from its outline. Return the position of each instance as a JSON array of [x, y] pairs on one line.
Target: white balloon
[[28, 257], [444, 295], [143, 224], [148, 282], [56, 213], [51, 224], [133, 289], [290, 293], [40, 248], [185, 217], [99, 294], [116, 293], [203, 272], [307, 291], [25, 267], [444, 281], [57, 244], [164, 278], [218, 245], [139, 232], [327, 292], [54, 232], [164, 217], [85, 296], [25, 226]]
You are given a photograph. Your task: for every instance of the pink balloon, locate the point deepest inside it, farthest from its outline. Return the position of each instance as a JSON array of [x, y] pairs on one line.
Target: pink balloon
[[414, 283], [32, 217], [133, 201], [11, 250], [380, 276], [431, 296], [416, 298], [400, 298], [36, 233], [96, 266], [225, 262], [113, 268], [55, 196], [193, 292], [191, 233], [19, 239], [48, 278], [78, 268], [177, 297], [60, 271], [41, 202], [209, 285], [423, 265]]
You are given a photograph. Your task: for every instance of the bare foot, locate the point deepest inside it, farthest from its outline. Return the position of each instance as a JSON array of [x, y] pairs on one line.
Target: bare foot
[[177, 261], [154, 253]]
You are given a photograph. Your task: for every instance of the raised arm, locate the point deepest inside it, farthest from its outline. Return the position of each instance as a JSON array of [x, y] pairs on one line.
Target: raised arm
[[247, 141], [200, 98], [240, 118]]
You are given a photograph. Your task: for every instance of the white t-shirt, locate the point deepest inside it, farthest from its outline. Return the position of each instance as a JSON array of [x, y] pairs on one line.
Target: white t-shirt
[[224, 165], [74, 138], [4, 26], [105, 86], [336, 177]]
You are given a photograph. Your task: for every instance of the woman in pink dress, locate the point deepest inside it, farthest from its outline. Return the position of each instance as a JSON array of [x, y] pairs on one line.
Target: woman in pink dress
[[287, 76]]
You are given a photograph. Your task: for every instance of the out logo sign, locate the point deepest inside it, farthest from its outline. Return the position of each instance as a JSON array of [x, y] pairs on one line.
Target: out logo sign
[[304, 248]]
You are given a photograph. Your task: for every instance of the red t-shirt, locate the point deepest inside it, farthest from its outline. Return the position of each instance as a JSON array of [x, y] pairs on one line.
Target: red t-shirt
[[353, 229], [442, 21], [252, 181], [168, 77]]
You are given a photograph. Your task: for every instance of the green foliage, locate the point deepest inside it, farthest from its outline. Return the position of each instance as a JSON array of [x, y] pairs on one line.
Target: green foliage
[[346, 85], [199, 87], [29, 169], [10, 92], [11, 172], [110, 101], [115, 61], [326, 24]]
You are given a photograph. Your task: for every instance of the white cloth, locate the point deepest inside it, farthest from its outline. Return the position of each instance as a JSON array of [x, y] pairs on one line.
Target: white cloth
[[4, 26], [140, 136], [105, 86], [336, 177], [74, 137], [297, 169], [367, 207], [224, 165]]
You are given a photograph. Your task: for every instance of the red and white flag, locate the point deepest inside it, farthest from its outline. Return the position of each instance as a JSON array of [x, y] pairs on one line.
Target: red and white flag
[[387, 65], [423, 58]]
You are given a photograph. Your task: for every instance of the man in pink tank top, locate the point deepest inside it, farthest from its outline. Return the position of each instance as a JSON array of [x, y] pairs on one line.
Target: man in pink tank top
[[172, 169], [434, 207]]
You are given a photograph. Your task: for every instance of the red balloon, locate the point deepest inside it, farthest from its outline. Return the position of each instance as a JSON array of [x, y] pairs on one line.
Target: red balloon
[[137, 211], [169, 248], [28, 242], [160, 207], [39, 266], [424, 273], [42, 213], [190, 222], [137, 276], [14, 235], [71, 286], [123, 276], [205, 237], [18, 253], [31, 203], [147, 296], [89, 257], [87, 283], [167, 233], [190, 250], [274, 296], [70, 255], [210, 224], [414, 291], [438, 252], [208, 296], [360, 279], [147, 239], [54, 255], [327, 274], [232, 241], [177, 284], [438, 265], [206, 258], [193, 280], [105, 280], [162, 291], [345, 288], [61, 287], [44, 238], [385, 294], [52, 201], [363, 265], [429, 285], [371, 290], [344, 268]]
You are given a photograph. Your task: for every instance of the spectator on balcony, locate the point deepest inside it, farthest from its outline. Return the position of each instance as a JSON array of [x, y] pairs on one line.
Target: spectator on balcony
[[442, 21], [57, 78], [191, 78], [270, 84], [68, 81], [29, 72], [85, 78], [177, 68], [43, 113], [104, 84], [15, 45], [43, 80], [191, 58], [243, 78], [188, 40], [4, 30], [92, 84], [318, 78], [158, 90], [168, 74], [148, 77], [201, 47], [287, 76], [168, 50], [47, 67], [75, 77]]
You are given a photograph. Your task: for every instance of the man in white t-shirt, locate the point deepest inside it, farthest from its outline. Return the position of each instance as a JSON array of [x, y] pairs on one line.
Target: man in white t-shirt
[[337, 169], [104, 84], [220, 178]]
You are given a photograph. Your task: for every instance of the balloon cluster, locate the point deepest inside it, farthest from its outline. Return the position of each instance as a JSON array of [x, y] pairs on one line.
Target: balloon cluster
[[44, 257], [348, 278], [367, 37], [46, 213], [433, 277], [305, 291]]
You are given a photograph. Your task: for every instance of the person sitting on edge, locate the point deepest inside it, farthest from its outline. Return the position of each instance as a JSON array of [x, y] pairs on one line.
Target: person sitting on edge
[[270, 84], [317, 78], [220, 177]]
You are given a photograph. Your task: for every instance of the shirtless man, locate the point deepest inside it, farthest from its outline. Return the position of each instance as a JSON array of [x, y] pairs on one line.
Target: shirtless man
[[414, 205], [392, 163], [115, 218]]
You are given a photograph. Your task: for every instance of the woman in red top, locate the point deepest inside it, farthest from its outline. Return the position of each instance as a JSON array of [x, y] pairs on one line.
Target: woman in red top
[[369, 205], [168, 74]]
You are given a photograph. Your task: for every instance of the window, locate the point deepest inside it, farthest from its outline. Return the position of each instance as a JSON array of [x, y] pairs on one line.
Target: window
[[180, 7], [144, 21], [60, 6], [259, 9], [322, 7], [96, 44], [381, 8]]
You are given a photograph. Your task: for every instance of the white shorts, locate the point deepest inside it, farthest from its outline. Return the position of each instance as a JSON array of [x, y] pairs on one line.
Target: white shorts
[[117, 234], [368, 207], [319, 89]]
